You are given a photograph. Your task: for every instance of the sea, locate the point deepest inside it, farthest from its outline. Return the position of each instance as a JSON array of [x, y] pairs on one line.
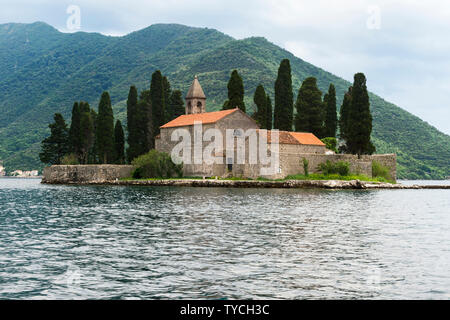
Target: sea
[[135, 242]]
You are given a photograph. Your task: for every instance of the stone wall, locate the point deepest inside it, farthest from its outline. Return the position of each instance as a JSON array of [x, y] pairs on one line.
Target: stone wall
[[291, 164], [85, 174]]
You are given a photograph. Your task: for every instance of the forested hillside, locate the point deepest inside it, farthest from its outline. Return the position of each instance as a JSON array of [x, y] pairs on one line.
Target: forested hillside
[[43, 71]]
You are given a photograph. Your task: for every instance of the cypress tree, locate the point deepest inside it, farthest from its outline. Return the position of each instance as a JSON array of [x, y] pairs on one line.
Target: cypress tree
[[157, 102], [132, 125], [235, 92], [119, 143], [93, 154], [145, 125], [330, 113], [56, 146], [309, 106], [168, 112], [344, 115], [176, 104], [87, 134], [74, 131], [84, 107], [260, 100], [269, 115], [105, 130], [284, 98], [360, 119]]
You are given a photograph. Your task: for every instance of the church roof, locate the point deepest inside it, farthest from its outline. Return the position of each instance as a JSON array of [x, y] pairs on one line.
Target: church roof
[[204, 118], [195, 91], [286, 137]]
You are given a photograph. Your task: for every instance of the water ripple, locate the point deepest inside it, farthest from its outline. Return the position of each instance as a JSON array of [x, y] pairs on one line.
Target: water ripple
[[67, 242]]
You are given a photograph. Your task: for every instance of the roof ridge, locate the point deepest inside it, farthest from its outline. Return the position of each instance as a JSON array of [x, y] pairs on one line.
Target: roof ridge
[[205, 118]]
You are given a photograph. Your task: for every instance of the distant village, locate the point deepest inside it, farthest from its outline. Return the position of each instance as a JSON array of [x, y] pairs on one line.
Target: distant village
[[18, 173]]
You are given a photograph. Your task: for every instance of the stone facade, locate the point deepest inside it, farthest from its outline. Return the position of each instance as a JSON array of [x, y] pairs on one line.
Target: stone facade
[[235, 121]]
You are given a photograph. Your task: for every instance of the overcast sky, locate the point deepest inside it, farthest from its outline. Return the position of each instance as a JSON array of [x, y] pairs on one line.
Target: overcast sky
[[402, 46]]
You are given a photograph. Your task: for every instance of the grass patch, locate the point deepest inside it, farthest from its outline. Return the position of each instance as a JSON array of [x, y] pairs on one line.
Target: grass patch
[[318, 176], [311, 176]]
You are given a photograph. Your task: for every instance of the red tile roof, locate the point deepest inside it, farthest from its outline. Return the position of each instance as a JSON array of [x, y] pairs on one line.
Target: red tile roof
[[307, 138], [204, 118], [286, 137]]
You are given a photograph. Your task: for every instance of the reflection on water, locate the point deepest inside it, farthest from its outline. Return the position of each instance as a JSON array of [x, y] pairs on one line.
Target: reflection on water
[[149, 242]]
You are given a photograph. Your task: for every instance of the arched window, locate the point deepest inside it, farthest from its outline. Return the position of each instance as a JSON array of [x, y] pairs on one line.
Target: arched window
[[189, 110]]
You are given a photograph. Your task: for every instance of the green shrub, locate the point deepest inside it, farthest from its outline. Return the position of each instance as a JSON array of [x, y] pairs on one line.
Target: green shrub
[[70, 159], [378, 170], [341, 168], [330, 143], [306, 167], [156, 164]]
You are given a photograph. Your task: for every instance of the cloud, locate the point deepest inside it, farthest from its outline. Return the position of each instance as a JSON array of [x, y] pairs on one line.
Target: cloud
[[400, 45]]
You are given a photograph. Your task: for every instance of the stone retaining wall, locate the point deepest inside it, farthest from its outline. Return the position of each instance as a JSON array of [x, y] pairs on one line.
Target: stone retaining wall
[[292, 164], [85, 174]]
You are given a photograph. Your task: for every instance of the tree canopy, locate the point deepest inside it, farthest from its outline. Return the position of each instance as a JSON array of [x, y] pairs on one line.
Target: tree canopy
[[56, 146], [284, 98]]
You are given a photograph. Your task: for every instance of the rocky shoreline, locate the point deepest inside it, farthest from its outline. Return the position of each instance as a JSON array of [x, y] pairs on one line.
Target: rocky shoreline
[[321, 184]]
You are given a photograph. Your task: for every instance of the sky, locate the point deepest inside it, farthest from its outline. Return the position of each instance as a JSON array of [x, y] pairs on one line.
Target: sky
[[402, 46]]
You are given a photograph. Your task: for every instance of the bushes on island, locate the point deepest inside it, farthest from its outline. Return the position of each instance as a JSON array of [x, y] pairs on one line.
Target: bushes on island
[[155, 164], [341, 168], [70, 159], [378, 170], [305, 167], [330, 143]]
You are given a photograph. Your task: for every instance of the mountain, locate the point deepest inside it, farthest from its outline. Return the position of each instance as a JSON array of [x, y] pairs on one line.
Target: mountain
[[43, 71]]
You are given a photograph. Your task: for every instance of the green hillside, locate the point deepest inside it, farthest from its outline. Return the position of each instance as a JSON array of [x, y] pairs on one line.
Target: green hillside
[[42, 71]]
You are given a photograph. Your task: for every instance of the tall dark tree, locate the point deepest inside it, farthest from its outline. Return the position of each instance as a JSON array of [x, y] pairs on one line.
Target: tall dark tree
[[93, 154], [330, 112], [284, 98], [87, 133], [235, 92], [344, 120], [309, 106], [146, 122], [56, 146], [176, 104], [269, 115], [260, 100], [168, 113], [105, 130], [84, 106], [132, 124], [74, 131], [360, 119], [119, 143], [157, 102]]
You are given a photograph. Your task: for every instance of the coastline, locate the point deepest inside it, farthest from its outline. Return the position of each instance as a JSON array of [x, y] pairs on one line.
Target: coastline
[[14, 177], [294, 184]]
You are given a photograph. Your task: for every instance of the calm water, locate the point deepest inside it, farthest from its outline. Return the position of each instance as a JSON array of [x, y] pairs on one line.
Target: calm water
[[62, 242]]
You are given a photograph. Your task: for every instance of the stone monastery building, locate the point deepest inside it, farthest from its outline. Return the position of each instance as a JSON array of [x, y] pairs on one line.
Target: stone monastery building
[[284, 150]]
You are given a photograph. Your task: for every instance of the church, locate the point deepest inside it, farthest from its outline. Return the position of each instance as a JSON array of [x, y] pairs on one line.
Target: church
[[229, 143]]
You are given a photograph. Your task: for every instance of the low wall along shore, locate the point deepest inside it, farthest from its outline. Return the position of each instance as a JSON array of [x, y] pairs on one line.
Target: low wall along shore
[[85, 174], [111, 175], [291, 164]]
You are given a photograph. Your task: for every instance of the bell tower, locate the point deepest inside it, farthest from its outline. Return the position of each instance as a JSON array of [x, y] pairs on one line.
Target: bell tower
[[195, 98]]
